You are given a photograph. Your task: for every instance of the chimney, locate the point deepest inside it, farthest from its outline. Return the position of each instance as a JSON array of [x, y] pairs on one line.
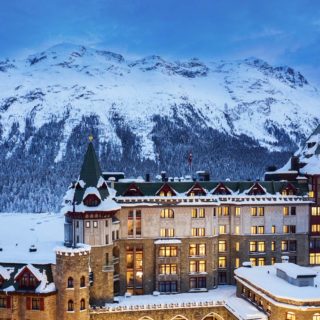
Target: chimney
[[163, 176], [147, 177], [295, 163]]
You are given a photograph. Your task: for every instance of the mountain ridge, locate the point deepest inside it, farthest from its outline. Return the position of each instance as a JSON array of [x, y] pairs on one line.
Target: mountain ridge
[[147, 114]]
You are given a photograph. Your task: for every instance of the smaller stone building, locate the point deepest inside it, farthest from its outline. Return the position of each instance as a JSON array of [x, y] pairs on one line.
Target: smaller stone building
[[284, 291]]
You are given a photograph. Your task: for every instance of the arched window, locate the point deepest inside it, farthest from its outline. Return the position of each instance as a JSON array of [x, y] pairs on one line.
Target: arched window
[[316, 316], [70, 282], [82, 282], [70, 305], [290, 316], [82, 304]]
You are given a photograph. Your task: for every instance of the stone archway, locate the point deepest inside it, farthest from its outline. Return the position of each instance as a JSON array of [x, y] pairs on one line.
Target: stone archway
[[212, 316]]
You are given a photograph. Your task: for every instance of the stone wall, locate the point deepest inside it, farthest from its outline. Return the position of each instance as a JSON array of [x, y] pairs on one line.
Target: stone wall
[[196, 313]]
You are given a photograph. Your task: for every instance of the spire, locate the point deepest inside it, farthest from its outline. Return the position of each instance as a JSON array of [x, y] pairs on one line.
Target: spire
[[90, 170]]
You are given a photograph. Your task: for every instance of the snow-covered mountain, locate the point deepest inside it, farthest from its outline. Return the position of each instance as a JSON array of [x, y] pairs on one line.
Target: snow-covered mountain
[[146, 115]]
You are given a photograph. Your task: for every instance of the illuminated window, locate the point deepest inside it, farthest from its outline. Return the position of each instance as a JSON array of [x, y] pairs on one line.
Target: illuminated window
[[285, 211], [197, 266], [311, 194], [315, 211], [315, 228], [261, 246], [222, 246], [261, 211], [222, 229], [201, 213], [316, 316], [194, 213], [237, 246], [237, 263], [273, 246], [253, 261], [253, 246], [237, 230], [273, 229], [197, 249], [273, 260], [222, 262], [261, 261], [166, 233], [95, 224], [87, 224], [238, 211], [254, 211], [168, 269], [166, 213], [168, 251], [314, 258], [290, 316], [198, 232]]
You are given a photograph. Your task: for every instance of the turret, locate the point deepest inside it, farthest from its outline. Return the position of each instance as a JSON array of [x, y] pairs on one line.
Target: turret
[[72, 282], [89, 209]]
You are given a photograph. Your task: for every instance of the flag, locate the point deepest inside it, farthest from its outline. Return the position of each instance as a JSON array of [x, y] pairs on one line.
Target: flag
[[190, 158]]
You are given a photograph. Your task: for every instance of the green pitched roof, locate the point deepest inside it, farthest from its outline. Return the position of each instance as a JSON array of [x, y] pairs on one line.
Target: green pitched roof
[[90, 170], [90, 173]]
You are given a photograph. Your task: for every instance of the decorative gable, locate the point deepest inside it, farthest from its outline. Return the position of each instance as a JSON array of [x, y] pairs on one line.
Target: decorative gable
[[289, 190], [91, 197], [256, 190], [166, 191], [196, 190], [28, 277], [102, 184], [133, 191], [221, 189]]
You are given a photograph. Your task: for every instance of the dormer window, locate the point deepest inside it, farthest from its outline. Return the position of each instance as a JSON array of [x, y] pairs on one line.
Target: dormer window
[[28, 281], [165, 191], [256, 190], [196, 190], [133, 191], [289, 190], [221, 189], [91, 200]]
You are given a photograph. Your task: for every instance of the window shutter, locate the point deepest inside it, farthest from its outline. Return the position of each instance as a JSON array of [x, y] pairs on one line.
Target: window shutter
[[28, 304], [41, 304], [8, 302]]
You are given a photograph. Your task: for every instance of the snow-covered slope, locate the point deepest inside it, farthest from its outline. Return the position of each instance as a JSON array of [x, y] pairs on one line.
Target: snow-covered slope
[[139, 109], [242, 97]]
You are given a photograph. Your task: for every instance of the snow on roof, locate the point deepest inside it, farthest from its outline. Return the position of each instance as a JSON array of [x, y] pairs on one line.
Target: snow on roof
[[167, 241], [80, 248], [81, 183], [32, 269], [18, 231], [312, 165], [100, 183], [295, 271], [127, 180], [224, 295], [265, 277], [92, 190], [243, 309], [5, 273], [107, 204], [215, 295]]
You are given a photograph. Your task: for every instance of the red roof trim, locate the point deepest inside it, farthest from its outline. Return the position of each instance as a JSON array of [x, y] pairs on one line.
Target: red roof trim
[[133, 190]]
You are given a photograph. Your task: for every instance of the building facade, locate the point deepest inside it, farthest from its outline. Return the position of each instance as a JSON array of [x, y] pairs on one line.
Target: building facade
[[131, 237]]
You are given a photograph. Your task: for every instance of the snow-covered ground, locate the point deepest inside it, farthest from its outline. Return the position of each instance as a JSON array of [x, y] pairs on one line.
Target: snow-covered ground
[[19, 231]]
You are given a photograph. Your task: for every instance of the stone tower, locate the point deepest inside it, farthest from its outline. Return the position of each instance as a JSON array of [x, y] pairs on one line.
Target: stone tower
[[72, 282], [90, 219]]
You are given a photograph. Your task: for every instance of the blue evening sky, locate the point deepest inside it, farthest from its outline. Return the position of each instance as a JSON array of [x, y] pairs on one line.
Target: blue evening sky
[[279, 31]]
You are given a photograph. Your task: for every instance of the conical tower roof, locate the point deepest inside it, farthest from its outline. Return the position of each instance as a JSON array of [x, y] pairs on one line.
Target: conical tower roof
[[90, 176], [90, 170]]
